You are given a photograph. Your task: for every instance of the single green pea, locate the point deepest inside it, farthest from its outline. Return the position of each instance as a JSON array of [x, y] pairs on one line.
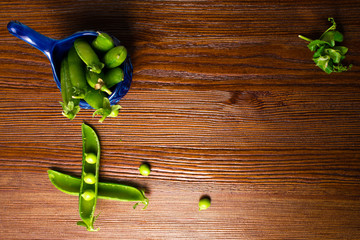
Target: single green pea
[[103, 42], [144, 169], [89, 178], [113, 77], [204, 203], [88, 55], [90, 158], [115, 57], [88, 195]]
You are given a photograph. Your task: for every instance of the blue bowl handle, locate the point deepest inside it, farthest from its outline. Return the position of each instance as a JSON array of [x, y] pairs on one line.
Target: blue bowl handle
[[35, 39]]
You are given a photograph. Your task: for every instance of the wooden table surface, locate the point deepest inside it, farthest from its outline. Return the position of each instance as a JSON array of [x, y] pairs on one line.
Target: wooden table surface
[[225, 101]]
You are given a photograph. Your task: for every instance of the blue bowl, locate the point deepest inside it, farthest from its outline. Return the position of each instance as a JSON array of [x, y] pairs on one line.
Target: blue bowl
[[56, 49]]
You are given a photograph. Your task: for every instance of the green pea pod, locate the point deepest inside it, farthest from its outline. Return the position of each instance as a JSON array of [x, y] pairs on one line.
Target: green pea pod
[[108, 191], [94, 98], [113, 77], [70, 106], [115, 57], [103, 42], [88, 192], [77, 73], [88, 55], [96, 81]]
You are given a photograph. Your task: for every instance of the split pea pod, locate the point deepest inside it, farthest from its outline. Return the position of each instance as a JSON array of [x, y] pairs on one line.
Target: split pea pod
[[89, 191], [88, 55], [96, 81], [70, 106], [113, 77], [103, 42], [115, 57], [77, 73], [108, 191]]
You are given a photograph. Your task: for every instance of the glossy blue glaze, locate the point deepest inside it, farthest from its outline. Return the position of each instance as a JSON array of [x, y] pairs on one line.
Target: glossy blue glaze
[[56, 49]]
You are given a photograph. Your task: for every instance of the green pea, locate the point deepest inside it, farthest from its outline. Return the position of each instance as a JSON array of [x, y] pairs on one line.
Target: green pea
[[70, 106], [103, 42], [77, 73], [144, 169], [204, 203], [113, 77], [88, 55], [96, 81], [89, 178], [109, 191], [88, 195], [90, 158], [115, 57]]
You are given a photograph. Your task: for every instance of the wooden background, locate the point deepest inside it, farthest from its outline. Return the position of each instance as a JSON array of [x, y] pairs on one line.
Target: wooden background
[[225, 101]]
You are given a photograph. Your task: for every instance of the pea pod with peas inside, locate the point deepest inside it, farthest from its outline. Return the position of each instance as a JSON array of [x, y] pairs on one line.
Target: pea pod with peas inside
[[108, 191], [89, 190]]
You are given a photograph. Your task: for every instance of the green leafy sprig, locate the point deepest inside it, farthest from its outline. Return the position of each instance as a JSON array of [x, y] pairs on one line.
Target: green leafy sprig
[[327, 55]]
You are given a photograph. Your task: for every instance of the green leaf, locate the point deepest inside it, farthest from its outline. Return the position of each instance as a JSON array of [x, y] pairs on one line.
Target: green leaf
[[315, 44], [323, 63], [334, 55], [343, 50]]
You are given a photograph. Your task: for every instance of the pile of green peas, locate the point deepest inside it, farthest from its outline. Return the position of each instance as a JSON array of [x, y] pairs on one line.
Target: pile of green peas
[[84, 76]]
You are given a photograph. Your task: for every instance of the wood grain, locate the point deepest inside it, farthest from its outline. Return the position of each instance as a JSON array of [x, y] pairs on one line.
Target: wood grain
[[225, 101]]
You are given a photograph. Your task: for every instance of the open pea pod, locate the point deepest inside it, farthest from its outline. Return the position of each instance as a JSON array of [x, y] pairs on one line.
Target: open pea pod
[[109, 191], [89, 189]]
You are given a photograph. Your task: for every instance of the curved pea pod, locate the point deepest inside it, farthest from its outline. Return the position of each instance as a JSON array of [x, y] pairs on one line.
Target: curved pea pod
[[103, 42], [88, 55], [77, 73], [109, 191], [96, 81], [113, 77], [70, 106], [89, 191], [115, 57]]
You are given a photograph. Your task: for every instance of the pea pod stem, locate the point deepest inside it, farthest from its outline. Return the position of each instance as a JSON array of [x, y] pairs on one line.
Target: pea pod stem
[[108, 191]]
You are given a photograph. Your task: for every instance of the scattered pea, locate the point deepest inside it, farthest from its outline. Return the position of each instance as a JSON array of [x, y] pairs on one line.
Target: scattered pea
[[144, 169], [204, 203]]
